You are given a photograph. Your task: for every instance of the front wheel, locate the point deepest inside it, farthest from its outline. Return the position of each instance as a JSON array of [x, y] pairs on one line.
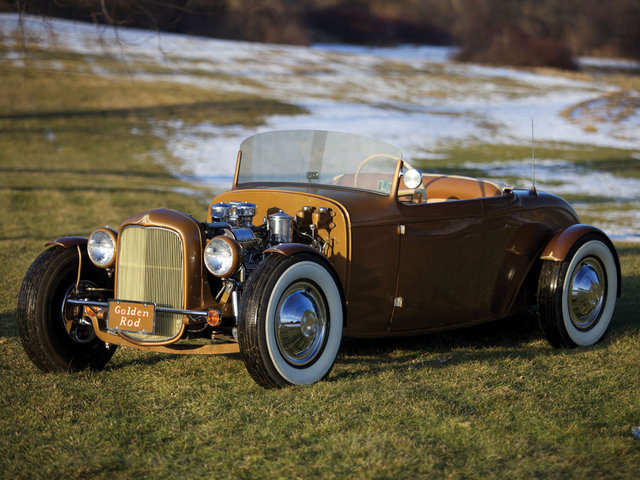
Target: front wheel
[[290, 327], [576, 297], [55, 337]]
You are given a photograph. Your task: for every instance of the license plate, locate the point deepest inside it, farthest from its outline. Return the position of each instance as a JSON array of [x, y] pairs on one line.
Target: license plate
[[135, 317]]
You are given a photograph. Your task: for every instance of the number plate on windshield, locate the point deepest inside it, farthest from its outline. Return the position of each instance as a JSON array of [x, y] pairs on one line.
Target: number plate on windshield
[[136, 317]]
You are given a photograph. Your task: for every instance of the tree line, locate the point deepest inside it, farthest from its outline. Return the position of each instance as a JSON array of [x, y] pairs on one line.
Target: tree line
[[514, 32]]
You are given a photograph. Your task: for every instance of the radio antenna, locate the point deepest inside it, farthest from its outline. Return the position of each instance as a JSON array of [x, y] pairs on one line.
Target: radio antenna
[[533, 190]]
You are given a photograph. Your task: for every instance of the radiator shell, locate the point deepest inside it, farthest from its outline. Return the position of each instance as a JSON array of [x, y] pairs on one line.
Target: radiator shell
[[159, 260]]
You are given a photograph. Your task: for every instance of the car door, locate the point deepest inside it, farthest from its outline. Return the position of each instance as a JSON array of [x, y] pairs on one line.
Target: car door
[[449, 260]]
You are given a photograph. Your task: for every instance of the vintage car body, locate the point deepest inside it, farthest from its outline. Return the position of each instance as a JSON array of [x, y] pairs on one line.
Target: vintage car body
[[323, 235]]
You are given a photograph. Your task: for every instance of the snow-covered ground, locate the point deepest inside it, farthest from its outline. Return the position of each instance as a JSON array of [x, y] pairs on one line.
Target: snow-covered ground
[[412, 96], [610, 63]]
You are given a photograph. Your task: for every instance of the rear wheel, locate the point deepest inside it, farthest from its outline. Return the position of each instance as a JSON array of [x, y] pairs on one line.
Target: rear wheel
[[290, 327], [53, 334], [576, 297]]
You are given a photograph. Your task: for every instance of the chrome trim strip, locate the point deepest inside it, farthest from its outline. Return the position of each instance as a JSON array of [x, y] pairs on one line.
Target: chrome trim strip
[[197, 313]]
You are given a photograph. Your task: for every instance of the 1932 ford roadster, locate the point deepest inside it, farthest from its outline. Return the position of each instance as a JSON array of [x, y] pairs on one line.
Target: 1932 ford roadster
[[323, 235]]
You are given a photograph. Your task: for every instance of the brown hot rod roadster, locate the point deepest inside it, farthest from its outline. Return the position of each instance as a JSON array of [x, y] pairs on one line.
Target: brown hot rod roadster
[[323, 235]]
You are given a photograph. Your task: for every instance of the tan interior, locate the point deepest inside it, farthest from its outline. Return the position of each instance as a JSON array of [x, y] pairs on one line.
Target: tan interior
[[439, 188], [442, 188]]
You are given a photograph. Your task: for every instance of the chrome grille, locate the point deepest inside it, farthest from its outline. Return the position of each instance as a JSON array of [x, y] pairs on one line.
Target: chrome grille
[[150, 269]]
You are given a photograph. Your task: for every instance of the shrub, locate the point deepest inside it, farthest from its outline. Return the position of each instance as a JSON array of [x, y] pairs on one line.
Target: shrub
[[510, 45]]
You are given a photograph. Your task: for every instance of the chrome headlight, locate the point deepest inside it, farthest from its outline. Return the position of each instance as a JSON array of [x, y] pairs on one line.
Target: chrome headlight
[[102, 247], [222, 256]]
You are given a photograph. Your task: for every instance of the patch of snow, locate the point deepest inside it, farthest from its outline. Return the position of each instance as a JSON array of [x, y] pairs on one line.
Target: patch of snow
[[609, 63], [619, 225], [521, 76], [427, 53]]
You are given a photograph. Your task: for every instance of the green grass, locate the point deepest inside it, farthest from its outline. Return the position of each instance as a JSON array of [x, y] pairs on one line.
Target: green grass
[[494, 401]]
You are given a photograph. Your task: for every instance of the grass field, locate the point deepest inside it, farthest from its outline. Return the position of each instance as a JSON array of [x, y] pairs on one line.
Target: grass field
[[78, 151]]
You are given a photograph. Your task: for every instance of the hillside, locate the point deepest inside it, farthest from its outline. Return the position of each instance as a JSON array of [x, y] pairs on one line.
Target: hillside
[[441, 113]]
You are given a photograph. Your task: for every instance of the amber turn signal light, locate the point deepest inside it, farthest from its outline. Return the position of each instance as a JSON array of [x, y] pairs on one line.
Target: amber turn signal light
[[214, 318]]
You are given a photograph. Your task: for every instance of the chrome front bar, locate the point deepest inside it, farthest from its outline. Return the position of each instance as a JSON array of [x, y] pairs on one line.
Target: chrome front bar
[[90, 303]]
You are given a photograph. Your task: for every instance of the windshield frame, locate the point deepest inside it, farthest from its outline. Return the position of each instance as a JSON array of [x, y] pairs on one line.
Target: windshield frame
[[318, 158]]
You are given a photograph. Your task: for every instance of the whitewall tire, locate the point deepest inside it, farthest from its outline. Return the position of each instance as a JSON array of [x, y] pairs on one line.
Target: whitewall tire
[[576, 297], [290, 327]]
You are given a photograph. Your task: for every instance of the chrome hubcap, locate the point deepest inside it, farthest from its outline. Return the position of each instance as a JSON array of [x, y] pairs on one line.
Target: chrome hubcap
[[301, 324], [586, 294]]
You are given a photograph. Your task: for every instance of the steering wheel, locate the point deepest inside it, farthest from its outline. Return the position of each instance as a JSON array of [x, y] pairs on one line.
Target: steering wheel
[[367, 160]]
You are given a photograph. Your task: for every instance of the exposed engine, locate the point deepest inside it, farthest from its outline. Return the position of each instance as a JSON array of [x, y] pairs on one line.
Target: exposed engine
[[235, 245]]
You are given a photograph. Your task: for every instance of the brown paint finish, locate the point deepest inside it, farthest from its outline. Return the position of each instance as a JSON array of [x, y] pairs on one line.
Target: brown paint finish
[[457, 262], [67, 242], [365, 249], [446, 264], [522, 224], [559, 246], [374, 270], [464, 262]]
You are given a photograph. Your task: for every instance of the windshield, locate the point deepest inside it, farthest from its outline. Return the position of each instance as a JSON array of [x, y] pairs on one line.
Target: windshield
[[319, 158]]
